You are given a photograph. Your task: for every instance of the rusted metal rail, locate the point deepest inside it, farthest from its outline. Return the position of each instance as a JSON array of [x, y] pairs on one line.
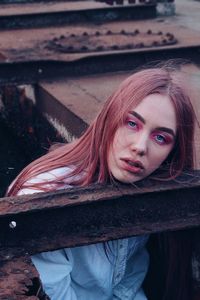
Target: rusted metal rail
[[84, 50], [16, 17], [82, 216], [35, 71], [47, 221]]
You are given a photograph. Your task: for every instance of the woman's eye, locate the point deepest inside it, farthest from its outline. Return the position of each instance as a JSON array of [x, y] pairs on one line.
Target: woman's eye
[[132, 124], [160, 139]]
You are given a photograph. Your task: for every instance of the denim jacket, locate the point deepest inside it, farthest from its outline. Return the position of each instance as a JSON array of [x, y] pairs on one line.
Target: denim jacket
[[114, 270]]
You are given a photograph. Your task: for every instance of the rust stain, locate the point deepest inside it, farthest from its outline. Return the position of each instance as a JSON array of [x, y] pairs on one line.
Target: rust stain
[[19, 280]]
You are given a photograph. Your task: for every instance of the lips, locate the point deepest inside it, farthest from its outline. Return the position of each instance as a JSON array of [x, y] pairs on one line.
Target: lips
[[133, 166]]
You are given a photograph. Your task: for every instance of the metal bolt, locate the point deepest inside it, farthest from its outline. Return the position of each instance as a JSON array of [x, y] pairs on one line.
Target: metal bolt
[[97, 33], [155, 43], [85, 33], [62, 37], [12, 224], [149, 31], [168, 34], [123, 31], [40, 71], [136, 31], [109, 32]]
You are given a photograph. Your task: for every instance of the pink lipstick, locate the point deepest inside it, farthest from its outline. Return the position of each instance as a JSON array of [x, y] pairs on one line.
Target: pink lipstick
[[133, 166]]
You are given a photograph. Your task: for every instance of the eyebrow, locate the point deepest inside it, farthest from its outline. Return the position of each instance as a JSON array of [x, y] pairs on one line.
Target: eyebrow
[[166, 129], [138, 116]]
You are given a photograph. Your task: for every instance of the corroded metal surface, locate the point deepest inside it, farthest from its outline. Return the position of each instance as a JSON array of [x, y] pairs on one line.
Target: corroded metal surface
[[115, 38], [43, 53], [41, 222], [32, 15], [108, 40], [46, 221], [19, 275], [19, 280], [36, 71]]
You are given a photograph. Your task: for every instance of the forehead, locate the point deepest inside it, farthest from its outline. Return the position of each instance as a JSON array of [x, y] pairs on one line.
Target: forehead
[[157, 110]]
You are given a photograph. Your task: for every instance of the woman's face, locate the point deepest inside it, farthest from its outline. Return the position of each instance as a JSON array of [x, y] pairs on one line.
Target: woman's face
[[145, 139]]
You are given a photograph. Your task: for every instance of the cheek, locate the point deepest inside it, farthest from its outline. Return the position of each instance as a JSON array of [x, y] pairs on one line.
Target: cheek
[[114, 149], [118, 142], [159, 159]]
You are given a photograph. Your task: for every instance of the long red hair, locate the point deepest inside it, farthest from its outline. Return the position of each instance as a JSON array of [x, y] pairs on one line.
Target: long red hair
[[88, 154]]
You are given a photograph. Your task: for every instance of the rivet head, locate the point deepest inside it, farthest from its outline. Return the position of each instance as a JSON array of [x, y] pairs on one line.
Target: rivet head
[[155, 43], [109, 32], [12, 224], [123, 31]]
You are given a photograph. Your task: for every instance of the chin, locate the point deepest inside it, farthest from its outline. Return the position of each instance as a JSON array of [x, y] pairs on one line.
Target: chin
[[126, 178]]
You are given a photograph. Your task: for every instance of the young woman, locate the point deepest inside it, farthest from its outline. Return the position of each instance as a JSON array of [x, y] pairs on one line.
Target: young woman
[[144, 129]]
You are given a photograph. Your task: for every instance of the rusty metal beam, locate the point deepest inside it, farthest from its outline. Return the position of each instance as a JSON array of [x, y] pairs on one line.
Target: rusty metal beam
[[47, 221], [34, 71], [94, 15]]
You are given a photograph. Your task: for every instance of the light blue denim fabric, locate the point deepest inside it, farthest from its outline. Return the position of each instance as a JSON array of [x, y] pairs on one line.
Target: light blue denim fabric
[[91, 273], [111, 271]]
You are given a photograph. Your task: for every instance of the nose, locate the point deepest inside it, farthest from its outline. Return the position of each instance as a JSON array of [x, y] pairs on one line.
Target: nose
[[139, 146]]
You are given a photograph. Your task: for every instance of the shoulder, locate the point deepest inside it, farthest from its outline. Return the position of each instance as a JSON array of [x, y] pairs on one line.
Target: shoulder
[[51, 175], [46, 179]]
